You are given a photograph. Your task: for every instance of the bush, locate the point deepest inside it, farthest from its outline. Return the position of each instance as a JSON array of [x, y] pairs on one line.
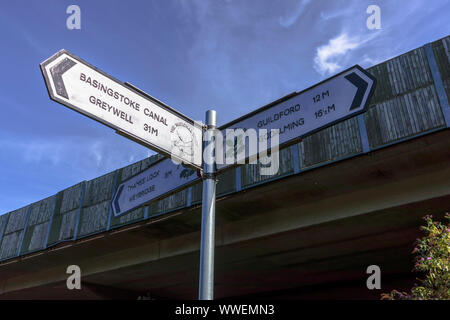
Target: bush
[[432, 259]]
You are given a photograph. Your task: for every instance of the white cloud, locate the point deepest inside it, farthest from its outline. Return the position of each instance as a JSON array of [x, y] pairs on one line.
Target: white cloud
[[328, 15], [328, 57], [289, 21], [97, 152], [39, 151]]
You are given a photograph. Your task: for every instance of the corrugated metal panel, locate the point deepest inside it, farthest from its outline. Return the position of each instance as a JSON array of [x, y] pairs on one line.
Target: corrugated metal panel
[[65, 217], [131, 170], [13, 233], [146, 163], [132, 216], [37, 229], [227, 182], [409, 71], [383, 89], [35, 238], [174, 201], [3, 221], [94, 218], [96, 201], [400, 75], [403, 116], [10, 244], [16, 220], [441, 49], [333, 143], [71, 198], [41, 210], [251, 173], [98, 190], [197, 192], [68, 221], [404, 104]]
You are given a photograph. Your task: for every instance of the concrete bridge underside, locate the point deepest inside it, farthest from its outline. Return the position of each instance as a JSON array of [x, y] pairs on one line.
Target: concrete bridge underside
[[311, 235]]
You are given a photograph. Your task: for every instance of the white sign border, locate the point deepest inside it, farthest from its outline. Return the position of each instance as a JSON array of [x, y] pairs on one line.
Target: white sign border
[[294, 94], [149, 202], [117, 129]]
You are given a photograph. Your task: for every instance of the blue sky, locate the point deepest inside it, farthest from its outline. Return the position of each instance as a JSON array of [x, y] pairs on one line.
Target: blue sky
[[232, 56]]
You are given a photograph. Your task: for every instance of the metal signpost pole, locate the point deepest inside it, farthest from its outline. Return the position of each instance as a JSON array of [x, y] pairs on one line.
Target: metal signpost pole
[[206, 282]]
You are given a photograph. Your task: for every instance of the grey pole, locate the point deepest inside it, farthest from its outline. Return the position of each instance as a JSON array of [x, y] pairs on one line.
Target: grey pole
[[206, 282]]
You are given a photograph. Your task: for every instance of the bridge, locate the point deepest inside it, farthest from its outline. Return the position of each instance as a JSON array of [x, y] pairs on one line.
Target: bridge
[[345, 198]]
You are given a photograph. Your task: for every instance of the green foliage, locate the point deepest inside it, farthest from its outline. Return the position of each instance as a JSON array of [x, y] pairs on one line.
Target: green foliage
[[432, 259]]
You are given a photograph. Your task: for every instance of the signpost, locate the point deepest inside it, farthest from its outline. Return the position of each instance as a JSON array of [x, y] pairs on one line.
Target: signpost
[[160, 179], [206, 281], [143, 119], [91, 92], [333, 100]]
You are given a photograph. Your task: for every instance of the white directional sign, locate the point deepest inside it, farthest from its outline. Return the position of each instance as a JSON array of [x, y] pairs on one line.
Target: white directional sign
[[328, 102], [160, 179], [85, 89], [332, 100]]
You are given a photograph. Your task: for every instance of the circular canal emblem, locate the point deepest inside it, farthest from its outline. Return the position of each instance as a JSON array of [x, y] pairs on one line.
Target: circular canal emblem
[[183, 140]]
